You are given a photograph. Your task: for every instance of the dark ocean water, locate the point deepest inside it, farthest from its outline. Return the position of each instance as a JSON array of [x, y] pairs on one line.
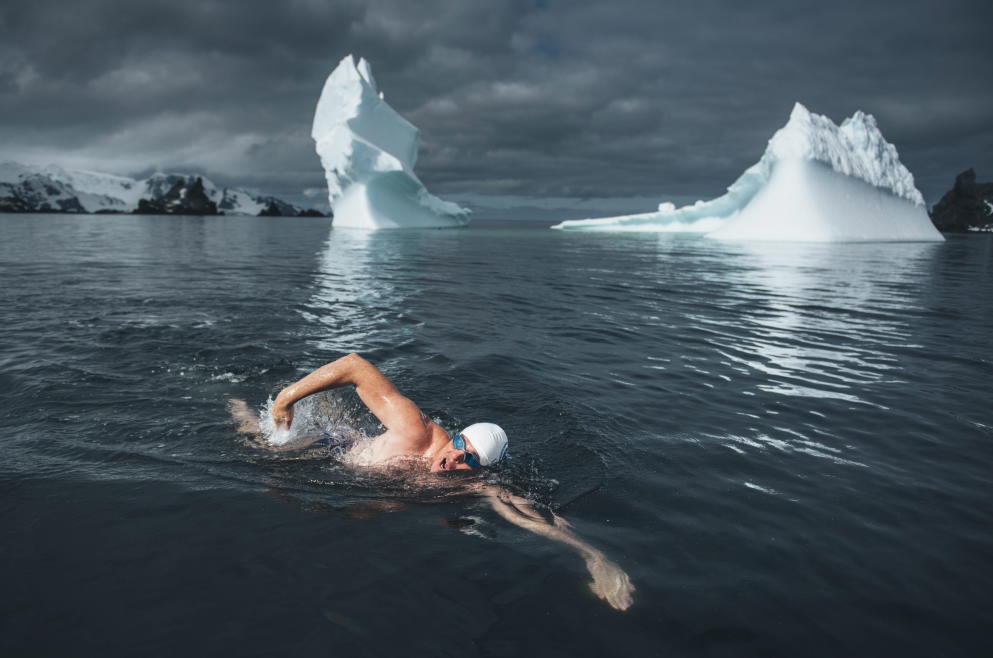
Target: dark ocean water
[[788, 447]]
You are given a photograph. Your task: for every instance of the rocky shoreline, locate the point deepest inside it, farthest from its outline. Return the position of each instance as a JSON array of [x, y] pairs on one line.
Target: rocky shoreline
[[52, 189], [967, 207]]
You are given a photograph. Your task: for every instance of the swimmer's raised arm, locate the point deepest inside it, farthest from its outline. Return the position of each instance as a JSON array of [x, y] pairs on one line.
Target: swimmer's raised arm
[[398, 413], [609, 580]]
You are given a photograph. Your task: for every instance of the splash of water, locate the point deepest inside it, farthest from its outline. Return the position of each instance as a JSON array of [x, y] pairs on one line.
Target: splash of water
[[331, 414]]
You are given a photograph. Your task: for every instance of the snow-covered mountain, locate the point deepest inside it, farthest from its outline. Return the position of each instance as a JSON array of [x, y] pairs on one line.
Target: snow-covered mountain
[[51, 188], [368, 153], [816, 181]]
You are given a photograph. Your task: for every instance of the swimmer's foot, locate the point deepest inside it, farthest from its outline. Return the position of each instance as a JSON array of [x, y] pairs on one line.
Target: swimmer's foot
[[246, 420]]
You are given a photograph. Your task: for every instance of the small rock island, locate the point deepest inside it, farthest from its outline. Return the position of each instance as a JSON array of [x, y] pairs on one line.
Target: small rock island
[[966, 207]]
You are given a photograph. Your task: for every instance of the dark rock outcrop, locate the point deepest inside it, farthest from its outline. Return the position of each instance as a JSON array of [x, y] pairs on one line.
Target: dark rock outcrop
[[966, 207], [310, 212], [276, 208], [185, 197], [37, 193], [11, 199]]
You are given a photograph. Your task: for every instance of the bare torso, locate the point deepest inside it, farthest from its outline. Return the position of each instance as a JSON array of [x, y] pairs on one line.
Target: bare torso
[[391, 446]]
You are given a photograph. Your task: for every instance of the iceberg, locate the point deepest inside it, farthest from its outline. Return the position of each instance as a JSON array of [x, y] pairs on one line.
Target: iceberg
[[816, 182], [368, 153]]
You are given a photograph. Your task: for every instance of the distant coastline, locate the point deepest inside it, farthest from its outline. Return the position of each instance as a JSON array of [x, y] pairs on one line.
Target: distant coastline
[[53, 189]]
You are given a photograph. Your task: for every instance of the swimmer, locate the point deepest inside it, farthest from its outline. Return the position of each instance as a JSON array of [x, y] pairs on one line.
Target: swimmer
[[411, 434]]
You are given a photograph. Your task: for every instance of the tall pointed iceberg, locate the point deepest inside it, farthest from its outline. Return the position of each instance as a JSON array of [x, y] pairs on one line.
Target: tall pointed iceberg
[[368, 153], [816, 182]]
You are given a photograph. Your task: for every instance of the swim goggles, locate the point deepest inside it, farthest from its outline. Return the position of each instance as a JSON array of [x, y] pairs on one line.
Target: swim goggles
[[470, 459]]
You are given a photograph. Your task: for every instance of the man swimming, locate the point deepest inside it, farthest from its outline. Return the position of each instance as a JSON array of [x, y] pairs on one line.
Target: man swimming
[[411, 434]]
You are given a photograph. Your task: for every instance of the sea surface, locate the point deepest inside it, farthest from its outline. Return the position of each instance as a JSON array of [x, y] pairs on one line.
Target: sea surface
[[788, 447]]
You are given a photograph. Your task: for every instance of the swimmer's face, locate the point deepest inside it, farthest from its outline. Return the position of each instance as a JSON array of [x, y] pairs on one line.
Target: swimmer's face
[[453, 459]]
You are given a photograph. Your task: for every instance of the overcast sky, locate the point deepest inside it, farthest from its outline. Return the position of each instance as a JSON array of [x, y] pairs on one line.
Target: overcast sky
[[626, 101]]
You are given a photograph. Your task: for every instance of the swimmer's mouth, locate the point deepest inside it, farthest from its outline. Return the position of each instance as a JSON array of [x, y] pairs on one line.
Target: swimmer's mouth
[[447, 466]]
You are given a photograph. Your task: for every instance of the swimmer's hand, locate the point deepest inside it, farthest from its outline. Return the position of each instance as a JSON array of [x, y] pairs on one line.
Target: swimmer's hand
[[610, 583], [282, 413]]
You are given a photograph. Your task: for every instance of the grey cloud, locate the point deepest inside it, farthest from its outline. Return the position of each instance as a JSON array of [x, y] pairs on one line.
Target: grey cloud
[[631, 98]]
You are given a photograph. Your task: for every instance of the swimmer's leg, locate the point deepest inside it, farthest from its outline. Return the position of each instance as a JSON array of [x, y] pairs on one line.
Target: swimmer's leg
[[247, 421]]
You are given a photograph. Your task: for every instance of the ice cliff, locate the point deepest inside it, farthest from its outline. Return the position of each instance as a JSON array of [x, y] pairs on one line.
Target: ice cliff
[[816, 182], [368, 153]]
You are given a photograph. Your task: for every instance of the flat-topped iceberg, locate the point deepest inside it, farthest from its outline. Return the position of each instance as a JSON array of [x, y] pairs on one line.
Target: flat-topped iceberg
[[816, 182], [368, 153]]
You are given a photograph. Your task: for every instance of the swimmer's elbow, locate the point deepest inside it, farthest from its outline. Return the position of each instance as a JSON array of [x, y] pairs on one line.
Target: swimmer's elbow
[[353, 357], [357, 367]]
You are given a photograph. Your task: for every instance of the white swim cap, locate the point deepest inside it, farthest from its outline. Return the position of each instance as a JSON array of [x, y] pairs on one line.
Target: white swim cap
[[488, 440]]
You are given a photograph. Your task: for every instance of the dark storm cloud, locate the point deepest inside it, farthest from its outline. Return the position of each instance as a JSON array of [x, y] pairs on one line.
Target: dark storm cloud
[[573, 99]]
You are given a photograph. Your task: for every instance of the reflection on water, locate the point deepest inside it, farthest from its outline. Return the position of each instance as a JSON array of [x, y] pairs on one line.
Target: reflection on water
[[827, 311], [355, 300], [787, 337]]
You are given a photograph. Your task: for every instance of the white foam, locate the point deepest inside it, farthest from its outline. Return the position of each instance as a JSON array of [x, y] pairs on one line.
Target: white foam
[[331, 414], [299, 429]]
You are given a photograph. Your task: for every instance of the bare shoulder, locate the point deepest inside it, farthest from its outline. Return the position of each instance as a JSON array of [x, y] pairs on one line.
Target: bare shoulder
[[426, 433], [409, 440]]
